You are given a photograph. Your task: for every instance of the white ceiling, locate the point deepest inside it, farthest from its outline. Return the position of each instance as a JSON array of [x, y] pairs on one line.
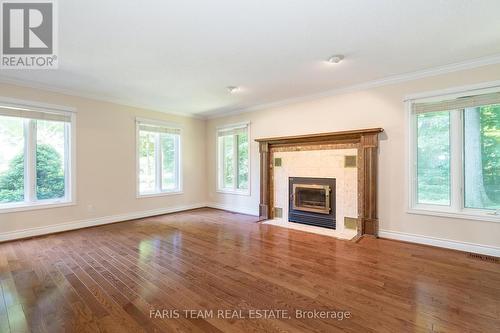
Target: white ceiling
[[179, 56]]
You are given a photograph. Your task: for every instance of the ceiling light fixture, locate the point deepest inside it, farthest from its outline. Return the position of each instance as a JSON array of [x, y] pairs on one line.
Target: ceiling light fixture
[[233, 89], [335, 59]]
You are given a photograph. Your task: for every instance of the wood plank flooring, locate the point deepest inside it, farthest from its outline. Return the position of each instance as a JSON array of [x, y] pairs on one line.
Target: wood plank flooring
[[112, 278]]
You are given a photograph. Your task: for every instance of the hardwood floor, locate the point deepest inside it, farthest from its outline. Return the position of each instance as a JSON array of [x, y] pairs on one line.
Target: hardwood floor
[[109, 278]]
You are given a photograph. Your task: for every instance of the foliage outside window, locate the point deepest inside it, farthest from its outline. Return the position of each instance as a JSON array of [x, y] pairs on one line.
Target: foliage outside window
[[482, 157], [233, 157], [34, 159], [457, 155], [158, 158], [433, 158]]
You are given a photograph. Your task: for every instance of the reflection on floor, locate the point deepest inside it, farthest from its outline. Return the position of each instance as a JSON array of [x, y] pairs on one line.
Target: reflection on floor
[[142, 275]]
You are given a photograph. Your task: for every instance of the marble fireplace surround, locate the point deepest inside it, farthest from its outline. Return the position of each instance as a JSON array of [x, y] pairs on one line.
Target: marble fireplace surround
[[317, 162], [366, 143]]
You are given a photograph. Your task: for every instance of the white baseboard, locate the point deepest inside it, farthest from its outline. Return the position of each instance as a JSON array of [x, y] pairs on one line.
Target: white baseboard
[[234, 209], [413, 238], [31, 232], [440, 242]]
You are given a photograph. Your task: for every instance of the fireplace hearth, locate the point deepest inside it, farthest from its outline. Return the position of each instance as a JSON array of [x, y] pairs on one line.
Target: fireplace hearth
[[312, 201]]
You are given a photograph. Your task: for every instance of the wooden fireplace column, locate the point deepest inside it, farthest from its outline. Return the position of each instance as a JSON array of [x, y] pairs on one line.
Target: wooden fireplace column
[[365, 140]]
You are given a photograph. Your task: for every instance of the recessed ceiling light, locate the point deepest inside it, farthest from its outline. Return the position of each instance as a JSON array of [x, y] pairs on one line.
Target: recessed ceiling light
[[233, 89], [335, 59]]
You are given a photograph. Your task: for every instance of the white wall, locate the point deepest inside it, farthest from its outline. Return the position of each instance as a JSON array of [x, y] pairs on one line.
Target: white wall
[[377, 107], [106, 167], [106, 159]]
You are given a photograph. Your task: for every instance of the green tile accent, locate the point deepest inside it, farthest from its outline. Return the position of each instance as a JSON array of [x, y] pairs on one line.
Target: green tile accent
[[278, 212], [350, 223], [350, 161]]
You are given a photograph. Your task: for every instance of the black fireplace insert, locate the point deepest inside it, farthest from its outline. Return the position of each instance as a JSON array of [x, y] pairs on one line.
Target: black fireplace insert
[[312, 201]]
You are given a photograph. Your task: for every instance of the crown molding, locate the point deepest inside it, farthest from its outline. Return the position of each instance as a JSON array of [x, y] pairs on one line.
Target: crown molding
[[69, 92], [394, 79], [450, 68]]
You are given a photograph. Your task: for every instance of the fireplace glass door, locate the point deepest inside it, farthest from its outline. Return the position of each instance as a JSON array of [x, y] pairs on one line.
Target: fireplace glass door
[[311, 198]]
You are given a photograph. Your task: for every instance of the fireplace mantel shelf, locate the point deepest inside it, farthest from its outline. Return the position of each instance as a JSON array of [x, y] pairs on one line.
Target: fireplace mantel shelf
[[322, 137], [365, 140]]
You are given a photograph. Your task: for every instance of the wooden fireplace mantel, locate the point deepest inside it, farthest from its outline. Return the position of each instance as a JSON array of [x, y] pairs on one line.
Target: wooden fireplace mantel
[[365, 140]]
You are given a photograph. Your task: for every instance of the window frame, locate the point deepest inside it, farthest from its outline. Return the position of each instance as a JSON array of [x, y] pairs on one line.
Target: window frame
[[220, 164], [158, 169], [30, 202], [457, 208]]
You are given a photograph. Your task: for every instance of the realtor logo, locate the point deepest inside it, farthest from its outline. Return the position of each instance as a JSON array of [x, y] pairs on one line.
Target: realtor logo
[[29, 34]]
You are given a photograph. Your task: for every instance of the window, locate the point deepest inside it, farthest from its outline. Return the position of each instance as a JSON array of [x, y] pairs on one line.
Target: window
[[482, 157], [233, 159], [35, 159], [433, 158], [455, 156], [158, 158]]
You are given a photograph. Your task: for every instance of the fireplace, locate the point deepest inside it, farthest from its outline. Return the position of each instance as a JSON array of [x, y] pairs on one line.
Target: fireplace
[[366, 141], [312, 201], [311, 198]]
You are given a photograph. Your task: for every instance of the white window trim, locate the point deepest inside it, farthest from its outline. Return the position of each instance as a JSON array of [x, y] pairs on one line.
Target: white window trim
[[456, 208], [158, 193], [70, 163], [218, 180]]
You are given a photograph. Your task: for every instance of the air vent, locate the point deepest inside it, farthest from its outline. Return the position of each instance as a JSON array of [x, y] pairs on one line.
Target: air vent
[[277, 162], [484, 258], [278, 212], [350, 161]]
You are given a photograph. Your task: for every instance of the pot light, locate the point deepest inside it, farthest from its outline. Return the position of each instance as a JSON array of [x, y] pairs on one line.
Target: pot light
[[335, 59], [233, 89]]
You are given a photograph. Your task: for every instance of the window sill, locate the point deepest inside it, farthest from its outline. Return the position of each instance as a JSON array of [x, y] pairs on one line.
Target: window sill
[[160, 194], [19, 207], [462, 215], [235, 192]]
